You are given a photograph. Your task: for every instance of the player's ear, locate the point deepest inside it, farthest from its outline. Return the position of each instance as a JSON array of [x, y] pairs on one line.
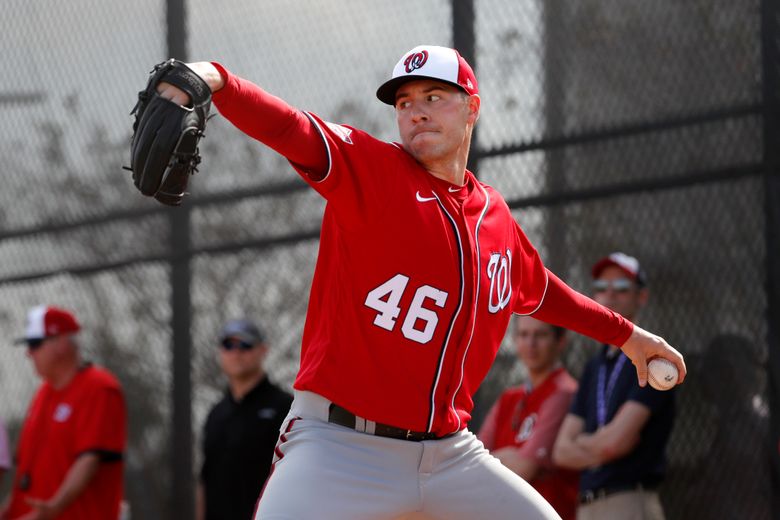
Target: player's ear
[[644, 294], [473, 102]]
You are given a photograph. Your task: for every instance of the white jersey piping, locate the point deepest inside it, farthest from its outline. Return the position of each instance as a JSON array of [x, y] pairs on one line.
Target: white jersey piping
[[327, 146], [476, 304], [443, 354], [546, 283]]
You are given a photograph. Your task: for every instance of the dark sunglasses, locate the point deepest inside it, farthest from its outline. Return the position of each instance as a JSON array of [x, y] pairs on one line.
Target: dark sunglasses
[[232, 343], [619, 285], [35, 344]]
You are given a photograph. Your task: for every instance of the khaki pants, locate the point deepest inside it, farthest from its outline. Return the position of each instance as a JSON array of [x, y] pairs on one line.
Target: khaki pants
[[628, 505]]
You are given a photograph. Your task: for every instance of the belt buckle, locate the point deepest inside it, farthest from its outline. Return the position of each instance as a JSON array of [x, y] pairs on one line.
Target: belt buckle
[[589, 496], [408, 434]]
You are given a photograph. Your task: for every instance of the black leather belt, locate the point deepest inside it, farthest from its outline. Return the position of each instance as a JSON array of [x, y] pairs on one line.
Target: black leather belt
[[591, 495], [343, 417]]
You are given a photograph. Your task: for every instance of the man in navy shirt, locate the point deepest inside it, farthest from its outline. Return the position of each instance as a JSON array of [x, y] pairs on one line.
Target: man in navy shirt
[[616, 431]]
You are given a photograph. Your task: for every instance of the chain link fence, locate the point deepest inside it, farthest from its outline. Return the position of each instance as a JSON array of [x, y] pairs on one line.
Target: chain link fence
[[607, 125]]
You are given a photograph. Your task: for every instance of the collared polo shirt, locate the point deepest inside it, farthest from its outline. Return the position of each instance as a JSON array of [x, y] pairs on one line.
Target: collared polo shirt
[[647, 463], [88, 415], [238, 444]]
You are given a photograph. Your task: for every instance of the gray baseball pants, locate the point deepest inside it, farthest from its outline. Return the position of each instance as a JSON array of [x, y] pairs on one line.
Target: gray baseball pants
[[323, 471]]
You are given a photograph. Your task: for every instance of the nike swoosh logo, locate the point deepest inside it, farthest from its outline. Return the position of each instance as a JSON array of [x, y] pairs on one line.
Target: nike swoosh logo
[[454, 190], [424, 199]]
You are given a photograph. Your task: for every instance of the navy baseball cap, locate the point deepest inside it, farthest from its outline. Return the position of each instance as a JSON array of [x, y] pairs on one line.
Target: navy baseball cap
[[429, 62], [627, 264], [244, 330]]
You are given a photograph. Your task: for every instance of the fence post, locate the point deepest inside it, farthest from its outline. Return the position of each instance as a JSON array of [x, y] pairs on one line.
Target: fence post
[[557, 254], [770, 47], [182, 503], [464, 39]]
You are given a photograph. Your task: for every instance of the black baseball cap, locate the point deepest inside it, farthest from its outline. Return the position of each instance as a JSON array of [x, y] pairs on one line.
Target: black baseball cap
[[243, 329]]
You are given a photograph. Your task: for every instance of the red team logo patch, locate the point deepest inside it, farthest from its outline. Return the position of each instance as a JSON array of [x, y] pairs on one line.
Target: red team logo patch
[[415, 61]]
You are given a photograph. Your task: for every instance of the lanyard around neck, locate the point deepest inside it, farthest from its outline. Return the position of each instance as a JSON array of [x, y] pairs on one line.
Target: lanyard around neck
[[604, 388]]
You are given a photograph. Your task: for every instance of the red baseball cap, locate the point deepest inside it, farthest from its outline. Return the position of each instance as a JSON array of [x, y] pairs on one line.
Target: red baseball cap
[[46, 321], [627, 264], [429, 62]]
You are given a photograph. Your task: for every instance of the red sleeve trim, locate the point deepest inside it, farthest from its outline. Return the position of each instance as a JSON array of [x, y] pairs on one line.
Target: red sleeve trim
[[565, 307]]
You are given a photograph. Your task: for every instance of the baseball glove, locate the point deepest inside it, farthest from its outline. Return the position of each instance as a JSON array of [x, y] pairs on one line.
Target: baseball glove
[[164, 148]]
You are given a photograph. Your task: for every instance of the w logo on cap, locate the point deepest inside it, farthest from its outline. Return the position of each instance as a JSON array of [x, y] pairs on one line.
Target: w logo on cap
[[415, 61]]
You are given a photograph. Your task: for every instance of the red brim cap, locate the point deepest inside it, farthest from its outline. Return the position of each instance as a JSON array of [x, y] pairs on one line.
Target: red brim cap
[[627, 264], [429, 62]]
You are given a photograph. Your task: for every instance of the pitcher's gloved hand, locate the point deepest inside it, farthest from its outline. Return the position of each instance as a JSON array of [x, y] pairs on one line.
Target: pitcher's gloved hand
[[164, 148]]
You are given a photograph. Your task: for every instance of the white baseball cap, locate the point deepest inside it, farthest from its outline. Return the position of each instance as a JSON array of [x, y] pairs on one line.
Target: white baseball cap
[[46, 321], [429, 62]]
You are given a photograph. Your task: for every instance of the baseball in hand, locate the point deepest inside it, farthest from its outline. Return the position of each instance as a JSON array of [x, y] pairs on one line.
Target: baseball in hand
[[662, 374]]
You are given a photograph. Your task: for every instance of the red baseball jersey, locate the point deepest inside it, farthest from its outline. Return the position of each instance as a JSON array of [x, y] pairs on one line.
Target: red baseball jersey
[[88, 415], [530, 421], [415, 284], [416, 278]]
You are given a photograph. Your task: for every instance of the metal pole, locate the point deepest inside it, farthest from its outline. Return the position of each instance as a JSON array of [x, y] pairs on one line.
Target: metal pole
[[464, 40], [556, 256], [770, 48], [182, 492]]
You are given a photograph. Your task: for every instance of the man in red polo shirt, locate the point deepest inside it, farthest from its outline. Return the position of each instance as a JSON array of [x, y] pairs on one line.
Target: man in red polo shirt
[[521, 428], [69, 458]]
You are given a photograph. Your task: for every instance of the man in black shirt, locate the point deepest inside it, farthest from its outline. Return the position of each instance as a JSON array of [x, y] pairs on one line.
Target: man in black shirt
[[241, 430]]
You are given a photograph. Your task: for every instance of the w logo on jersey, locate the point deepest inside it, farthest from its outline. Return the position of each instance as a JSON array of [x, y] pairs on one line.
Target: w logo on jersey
[[415, 61], [499, 269]]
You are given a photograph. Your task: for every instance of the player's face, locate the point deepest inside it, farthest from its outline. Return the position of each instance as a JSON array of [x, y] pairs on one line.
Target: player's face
[[240, 360], [537, 346], [47, 355], [434, 120], [620, 293]]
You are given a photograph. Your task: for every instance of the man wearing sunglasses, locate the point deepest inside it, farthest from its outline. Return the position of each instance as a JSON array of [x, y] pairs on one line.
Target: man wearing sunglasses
[[242, 429], [611, 413], [69, 460]]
